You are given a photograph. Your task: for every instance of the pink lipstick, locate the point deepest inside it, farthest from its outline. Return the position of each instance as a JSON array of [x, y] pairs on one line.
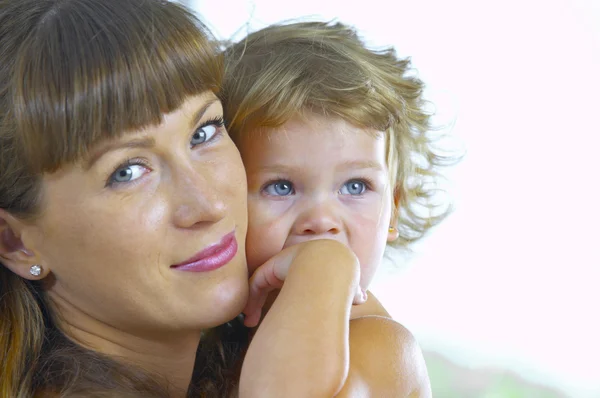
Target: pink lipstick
[[213, 257]]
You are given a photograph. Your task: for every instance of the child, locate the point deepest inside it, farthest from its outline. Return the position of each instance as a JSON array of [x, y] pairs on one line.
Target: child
[[334, 140]]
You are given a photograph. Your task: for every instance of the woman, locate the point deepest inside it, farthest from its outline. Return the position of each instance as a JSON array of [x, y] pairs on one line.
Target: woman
[[122, 201], [123, 213]]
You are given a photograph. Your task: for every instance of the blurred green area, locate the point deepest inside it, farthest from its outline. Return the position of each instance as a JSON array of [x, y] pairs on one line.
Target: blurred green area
[[449, 380]]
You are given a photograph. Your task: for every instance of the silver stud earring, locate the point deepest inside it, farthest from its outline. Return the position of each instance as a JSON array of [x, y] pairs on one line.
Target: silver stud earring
[[35, 270]]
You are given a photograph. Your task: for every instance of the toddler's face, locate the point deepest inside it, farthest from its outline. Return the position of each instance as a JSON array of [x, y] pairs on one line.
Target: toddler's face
[[317, 178]]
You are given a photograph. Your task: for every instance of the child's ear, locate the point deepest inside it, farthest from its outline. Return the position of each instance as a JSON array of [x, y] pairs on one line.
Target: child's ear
[[13, 253], [393, 232], [397, 197]]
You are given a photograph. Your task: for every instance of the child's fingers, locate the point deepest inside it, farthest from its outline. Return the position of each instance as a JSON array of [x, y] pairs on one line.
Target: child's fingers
[[262, 282], [252, 319], [256, 300], [252, 311], [360, 297]]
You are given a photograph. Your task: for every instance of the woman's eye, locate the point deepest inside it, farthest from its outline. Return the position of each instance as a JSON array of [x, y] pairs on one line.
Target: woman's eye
[[280, 188], [127, 173], [353, 187], [206, 132]]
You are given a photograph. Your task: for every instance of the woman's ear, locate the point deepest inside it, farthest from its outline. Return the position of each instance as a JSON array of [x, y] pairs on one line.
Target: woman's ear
[[13, 254]]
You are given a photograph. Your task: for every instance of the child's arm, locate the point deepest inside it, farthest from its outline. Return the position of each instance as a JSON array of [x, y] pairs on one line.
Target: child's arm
[[301, 348]]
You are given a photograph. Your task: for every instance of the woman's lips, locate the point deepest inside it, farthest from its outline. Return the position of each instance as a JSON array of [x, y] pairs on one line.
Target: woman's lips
[[212, 257]]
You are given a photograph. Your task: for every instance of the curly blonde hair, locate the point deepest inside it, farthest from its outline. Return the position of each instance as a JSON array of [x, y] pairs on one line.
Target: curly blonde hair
[[279, 71]]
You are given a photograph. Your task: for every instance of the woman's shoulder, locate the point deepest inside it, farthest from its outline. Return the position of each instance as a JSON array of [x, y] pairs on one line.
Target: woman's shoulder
[[385, 360]]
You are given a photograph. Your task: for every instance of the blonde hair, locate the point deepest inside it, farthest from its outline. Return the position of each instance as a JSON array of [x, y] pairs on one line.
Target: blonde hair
[[73, 73], [277, 72]]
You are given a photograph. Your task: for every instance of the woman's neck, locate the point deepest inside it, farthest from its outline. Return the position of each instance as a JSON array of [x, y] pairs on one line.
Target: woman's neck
[[172, 360], [170, 356]]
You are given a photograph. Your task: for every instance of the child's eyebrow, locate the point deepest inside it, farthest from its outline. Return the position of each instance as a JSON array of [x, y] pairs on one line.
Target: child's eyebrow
[[346, 165], [277, 168], [360, 164]]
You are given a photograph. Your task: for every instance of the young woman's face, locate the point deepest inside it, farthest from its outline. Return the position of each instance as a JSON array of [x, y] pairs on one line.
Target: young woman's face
[[318, 178], [116, 227]]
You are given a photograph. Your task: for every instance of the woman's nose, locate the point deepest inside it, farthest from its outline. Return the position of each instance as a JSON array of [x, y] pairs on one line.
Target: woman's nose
[[197, 198]]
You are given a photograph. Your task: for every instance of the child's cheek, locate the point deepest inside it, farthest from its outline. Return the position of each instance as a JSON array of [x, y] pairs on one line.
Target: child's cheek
[[369, 225], [267, 233]]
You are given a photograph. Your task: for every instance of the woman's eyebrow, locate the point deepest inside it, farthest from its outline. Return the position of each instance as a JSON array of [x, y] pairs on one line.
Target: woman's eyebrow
[[200, 112], [142, 142]]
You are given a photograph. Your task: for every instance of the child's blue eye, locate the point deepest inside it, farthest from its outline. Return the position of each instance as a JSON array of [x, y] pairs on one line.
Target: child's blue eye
[[353, 187], [280, 188]]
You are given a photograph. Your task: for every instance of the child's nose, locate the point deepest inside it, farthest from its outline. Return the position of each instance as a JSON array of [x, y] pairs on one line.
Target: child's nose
[[318, 219]]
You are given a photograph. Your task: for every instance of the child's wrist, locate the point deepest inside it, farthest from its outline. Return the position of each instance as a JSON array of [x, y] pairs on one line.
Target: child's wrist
[[328, 260]]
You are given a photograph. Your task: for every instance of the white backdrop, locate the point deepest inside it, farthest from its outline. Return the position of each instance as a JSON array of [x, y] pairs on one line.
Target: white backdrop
[[511, 278]]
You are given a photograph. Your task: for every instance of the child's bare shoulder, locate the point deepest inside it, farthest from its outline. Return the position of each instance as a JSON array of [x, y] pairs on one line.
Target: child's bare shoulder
[[385, 361], [372, 307]]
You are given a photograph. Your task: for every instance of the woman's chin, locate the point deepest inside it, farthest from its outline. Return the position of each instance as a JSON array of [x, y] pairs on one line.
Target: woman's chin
[[230, 299]]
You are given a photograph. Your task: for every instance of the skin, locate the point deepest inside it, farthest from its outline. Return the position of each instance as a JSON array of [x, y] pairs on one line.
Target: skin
[[386, 361], [318, 178], [179, 194], [304, 334], [128, 302], [315, 180]]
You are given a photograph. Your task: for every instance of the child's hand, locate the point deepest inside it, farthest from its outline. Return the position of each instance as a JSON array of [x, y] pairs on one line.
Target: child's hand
[[271, 275]]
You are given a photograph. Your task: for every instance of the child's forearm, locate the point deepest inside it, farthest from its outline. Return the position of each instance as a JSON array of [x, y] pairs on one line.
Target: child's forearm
[[301, 347]]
